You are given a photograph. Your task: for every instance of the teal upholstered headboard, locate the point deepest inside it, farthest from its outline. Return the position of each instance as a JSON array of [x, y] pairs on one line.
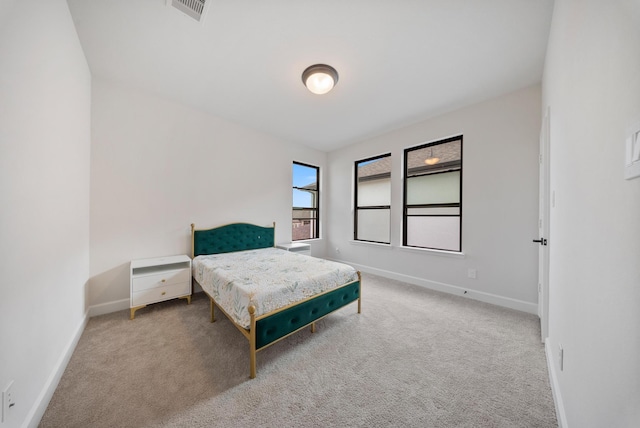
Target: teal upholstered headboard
[[230, 238]]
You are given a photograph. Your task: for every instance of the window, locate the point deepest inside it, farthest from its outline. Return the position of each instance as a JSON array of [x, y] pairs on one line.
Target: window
[[306, 197], [433, 195], [373, 199]]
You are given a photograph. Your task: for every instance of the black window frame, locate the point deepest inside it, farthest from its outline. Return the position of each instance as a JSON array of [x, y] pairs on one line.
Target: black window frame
[[405, 207], [316, 219], [368, 207]]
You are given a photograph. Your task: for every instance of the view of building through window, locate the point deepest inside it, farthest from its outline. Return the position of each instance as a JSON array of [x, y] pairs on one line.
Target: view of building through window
[[373, 200], [433, 195], [306, 196]]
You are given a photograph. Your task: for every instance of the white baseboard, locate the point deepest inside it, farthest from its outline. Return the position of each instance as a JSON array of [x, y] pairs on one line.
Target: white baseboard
[[494, 299], [107, 308], [555, 387], [41, 403]]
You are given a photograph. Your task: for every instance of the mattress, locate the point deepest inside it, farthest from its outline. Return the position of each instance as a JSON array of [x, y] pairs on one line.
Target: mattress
[[268, 278]]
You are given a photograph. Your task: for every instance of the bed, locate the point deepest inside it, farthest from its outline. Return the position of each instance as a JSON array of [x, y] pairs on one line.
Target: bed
[[266, 292]]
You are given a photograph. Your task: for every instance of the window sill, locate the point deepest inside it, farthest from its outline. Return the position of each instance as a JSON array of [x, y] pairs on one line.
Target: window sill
[[443, 253], [375, 244], [307, 241]]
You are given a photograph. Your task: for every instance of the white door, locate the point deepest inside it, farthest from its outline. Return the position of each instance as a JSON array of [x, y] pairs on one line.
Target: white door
[[543, 229]]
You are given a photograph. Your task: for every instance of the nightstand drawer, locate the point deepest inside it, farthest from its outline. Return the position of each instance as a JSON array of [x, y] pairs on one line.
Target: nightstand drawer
[[153, 295], [146, 282]]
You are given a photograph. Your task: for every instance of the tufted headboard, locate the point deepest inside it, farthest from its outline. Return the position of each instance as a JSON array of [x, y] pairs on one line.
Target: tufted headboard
[[230, 238]]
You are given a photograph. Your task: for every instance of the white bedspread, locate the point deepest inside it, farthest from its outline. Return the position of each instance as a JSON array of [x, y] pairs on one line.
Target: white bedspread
[[269, 279]]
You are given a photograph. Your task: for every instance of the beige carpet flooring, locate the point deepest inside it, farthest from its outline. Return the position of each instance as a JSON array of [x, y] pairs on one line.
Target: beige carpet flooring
[[413, 358]]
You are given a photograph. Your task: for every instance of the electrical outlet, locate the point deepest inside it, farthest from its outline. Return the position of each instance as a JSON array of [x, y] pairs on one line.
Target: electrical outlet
[[8, 401], [472, 273]]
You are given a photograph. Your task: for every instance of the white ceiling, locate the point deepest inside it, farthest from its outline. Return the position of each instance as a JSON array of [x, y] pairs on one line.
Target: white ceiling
[[399, 61]]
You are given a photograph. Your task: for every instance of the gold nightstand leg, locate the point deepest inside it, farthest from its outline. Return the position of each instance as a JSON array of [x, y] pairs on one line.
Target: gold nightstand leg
[[186, 297], [133, 311]]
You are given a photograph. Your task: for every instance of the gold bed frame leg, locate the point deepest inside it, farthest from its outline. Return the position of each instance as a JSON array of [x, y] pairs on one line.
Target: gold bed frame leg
[[252, 343], [313, 327], [213, 305]]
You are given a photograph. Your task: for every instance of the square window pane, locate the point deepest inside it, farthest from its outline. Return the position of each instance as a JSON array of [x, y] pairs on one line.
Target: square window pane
[[305, 176], [438, 157], [305, 198], [434, 189], [303, 229], [374, 225], [441, 233], [374, 192], [302, 214], [374, 169]]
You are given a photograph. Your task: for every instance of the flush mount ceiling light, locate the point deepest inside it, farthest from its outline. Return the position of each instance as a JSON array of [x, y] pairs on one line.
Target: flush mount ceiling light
[[320, 78]]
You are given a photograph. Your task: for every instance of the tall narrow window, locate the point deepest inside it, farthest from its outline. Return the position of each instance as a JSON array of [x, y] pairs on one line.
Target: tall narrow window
[[373, 199], [306, 197], [433, 195]]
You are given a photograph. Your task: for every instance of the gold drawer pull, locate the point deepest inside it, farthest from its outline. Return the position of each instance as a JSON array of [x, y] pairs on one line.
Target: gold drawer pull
[[164, 280], [164, 292]]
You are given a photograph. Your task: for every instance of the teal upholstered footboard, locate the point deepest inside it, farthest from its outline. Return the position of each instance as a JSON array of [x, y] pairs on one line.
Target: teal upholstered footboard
[[274, 327], [270, 328]]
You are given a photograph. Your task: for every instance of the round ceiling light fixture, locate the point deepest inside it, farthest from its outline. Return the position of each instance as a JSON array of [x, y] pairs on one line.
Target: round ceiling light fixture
[[320, 78]]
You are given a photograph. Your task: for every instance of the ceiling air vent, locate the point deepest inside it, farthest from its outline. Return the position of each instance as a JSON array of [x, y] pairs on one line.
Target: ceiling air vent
[[193, 8]]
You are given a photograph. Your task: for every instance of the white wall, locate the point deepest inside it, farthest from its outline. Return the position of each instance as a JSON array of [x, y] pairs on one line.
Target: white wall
[[500, 185], [158, 166], [45, 102], [592, 87]]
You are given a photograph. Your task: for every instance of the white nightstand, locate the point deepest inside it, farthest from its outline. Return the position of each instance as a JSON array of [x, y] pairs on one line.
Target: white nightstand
[[296, 247], [159, 279]]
